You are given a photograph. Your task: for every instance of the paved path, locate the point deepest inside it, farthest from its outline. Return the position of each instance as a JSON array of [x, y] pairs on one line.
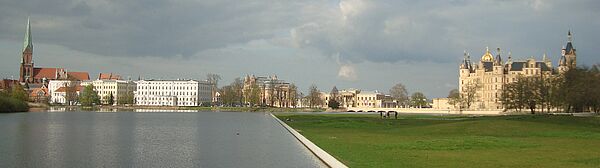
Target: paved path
[[128, 139]]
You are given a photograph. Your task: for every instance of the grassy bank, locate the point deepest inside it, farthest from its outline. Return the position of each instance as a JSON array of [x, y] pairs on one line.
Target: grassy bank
[[8, 104], [253, 109], [455, 141]]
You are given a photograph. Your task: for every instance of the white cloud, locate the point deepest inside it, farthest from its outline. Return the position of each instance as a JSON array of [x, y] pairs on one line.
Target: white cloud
[[347, 72]]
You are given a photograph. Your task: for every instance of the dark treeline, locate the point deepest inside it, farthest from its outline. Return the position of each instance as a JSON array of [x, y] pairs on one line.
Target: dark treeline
[[14, 100], [577, 90]]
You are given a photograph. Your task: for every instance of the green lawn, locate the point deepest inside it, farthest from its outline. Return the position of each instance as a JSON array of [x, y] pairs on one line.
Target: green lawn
[[454, 141]]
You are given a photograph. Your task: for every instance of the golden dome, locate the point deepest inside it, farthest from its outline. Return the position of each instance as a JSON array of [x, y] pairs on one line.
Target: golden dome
[[487, 57]]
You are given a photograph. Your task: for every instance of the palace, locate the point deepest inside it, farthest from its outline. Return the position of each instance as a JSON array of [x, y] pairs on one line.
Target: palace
[[488, 76]]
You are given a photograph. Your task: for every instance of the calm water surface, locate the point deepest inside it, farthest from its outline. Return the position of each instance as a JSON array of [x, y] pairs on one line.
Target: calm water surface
[[130, 139]]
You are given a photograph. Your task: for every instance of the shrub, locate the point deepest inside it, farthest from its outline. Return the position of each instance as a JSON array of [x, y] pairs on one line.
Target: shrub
[[8, 104]]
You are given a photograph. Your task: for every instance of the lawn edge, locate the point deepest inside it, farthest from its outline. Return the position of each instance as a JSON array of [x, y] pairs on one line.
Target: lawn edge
[[316, 150]]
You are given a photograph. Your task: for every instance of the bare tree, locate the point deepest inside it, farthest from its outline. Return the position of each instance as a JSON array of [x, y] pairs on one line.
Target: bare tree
[[454, 98], [469, 94], [213, 79], [292, 95], [399, 93], [314, 96]]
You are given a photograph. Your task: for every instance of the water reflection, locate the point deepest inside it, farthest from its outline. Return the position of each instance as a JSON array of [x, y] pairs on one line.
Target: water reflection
[[162, 139]]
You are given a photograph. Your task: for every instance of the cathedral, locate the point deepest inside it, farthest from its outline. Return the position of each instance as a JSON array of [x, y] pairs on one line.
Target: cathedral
[[488, 76], [33, 76]]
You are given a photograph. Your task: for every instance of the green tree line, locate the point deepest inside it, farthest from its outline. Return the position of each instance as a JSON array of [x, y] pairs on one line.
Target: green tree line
[[576, 90], [14, 100]]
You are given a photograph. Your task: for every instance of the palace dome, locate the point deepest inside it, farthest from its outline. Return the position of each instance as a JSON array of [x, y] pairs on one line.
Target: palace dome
[[487, 57]]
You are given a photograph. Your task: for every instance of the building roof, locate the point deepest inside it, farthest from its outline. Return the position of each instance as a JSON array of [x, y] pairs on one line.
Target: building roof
[[64, 89], [79, 75], [109, 76], [517, 66], [542, 66], [569, 48], [48, 73], [35, 92], [488, 66]]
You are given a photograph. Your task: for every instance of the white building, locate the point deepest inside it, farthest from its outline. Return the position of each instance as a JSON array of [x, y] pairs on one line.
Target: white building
[[118, 89], [358, 98], [58, 91], [172, 93]]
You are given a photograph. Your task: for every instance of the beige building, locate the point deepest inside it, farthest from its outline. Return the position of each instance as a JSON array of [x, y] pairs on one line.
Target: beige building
[[273, 91], [442, 103], [489, 75], [358, 98], [118, 88]]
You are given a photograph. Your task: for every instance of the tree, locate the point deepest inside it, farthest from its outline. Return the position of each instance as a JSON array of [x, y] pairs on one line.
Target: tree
[[314, 96], [525, 92], [293, 95], [213, 79], [232, 94], [333, 104], [418, 99], [89, 97], [454, 98], [469, 94], [109, 99], [128, 98], [71, 93], [19, 93], [252, 94], [399, 93], [227, 95]]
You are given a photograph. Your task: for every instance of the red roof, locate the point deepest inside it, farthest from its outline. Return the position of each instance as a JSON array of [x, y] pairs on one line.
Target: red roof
[[64, 89], [35, 91], [48, 73], [79, 75], [109, 76]]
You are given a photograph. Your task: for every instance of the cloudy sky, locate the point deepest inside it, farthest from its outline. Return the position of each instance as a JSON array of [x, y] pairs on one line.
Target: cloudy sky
[[364, 44]]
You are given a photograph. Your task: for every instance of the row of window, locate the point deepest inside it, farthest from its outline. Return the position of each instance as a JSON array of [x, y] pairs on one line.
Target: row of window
[[167, 93]]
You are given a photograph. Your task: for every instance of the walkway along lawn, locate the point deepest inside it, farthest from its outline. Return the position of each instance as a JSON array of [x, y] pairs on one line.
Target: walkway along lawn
[[454, 141]]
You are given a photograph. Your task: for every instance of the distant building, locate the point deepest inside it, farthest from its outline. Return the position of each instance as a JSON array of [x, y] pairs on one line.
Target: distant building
[[117, 88], [442, 104], [109, 76], [60, 88], [39, 95], [172, 92], [273, 91], [32, 75], [7, 84], [490, 74], [358, 98]]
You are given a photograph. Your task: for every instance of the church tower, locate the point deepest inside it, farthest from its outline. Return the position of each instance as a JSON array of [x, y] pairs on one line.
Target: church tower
[[26, 70]]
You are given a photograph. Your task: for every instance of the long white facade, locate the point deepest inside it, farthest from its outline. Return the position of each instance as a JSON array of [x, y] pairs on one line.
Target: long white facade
[[172, 93]]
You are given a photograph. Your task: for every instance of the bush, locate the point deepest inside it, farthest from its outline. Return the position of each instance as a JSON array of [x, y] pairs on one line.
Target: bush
[[8, 104], [334, 104]]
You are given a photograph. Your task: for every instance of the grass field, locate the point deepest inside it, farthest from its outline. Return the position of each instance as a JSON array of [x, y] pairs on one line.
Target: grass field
[[454, 141]]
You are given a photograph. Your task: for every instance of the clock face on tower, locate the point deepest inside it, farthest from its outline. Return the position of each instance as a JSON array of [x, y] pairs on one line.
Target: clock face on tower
[[563, 52]]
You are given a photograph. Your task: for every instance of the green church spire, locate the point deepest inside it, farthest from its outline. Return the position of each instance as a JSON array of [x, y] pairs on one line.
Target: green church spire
[[27, 43]]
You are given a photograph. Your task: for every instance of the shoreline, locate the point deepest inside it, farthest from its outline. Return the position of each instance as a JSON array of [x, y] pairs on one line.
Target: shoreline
[[132, 108]]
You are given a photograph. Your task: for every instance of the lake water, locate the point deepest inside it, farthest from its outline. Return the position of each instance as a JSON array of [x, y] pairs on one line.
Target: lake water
[[133, 139]]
